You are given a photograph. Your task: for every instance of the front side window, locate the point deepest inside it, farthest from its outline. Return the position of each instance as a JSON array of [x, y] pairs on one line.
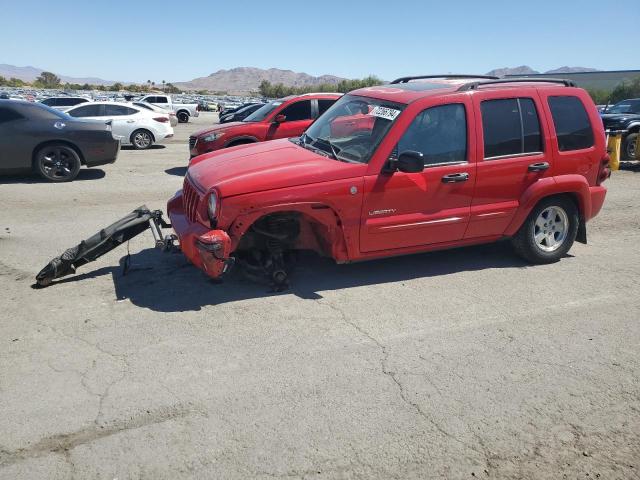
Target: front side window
[[352, 129], [297, 111], [439, 133], [571, 122], [511, 127], [625, 106], [161, 100]]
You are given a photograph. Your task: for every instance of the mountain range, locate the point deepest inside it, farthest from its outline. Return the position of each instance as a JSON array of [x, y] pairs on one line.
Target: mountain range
[[29, 74], [242, 80], [527, 70], [246, 79]]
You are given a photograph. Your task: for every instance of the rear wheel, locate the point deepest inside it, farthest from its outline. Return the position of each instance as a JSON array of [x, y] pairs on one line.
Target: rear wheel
[[57, 162], [141, 139], [183, 117], [630, 147], [549, 231]]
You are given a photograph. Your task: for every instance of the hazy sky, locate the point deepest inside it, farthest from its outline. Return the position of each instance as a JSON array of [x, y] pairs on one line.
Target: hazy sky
[[136, 40]]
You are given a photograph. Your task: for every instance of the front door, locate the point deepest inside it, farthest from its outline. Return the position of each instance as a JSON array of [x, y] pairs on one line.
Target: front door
[[432, 206]]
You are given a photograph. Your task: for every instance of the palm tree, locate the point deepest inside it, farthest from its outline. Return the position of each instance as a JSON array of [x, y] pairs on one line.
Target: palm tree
[[163, 85]]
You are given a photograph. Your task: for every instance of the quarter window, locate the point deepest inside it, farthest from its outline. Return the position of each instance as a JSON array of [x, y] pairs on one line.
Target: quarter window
[[511, 127], [439, 133], [571, 122], [298, 111], [8, 115]]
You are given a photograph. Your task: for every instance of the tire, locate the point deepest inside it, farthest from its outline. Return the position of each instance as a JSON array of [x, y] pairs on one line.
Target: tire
[[629, 147], [239, 142], [533, 245], [141, 139], [57, 162], [183, 117]]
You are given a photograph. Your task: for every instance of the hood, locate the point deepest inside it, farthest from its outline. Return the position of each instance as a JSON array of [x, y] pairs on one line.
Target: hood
[[266, 166], [217, 128]]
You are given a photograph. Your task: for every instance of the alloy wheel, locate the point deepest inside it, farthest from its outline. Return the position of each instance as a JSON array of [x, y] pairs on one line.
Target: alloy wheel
[[57, 163], [142, 140], [551, 229]]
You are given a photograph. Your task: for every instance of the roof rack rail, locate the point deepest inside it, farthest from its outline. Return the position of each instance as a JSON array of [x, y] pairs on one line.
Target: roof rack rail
[[474, 85], [446, 76]]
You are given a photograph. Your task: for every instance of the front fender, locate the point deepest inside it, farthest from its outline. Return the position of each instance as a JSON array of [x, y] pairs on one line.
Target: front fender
[[337, 240], [575, 185]]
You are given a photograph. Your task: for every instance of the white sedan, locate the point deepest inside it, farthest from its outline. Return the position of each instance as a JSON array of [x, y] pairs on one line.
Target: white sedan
[[132, 125]]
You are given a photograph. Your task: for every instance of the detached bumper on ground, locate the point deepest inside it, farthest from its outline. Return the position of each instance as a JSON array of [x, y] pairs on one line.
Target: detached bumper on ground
[[208, 249]]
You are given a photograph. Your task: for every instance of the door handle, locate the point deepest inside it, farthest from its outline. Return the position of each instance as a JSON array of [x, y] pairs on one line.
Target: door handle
[[131, 121], [455, 177], [538, 167]]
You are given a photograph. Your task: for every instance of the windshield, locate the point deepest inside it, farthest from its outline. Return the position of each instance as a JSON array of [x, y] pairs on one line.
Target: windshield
[[352, 128], [263, 112], [625, 107]]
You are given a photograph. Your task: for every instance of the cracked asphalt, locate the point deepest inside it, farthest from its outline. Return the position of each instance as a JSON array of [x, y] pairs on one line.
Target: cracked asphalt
[[459, 364]]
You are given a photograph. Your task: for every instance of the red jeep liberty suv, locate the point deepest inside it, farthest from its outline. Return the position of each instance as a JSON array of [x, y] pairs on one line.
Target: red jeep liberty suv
[[420, 164], [284, 118]]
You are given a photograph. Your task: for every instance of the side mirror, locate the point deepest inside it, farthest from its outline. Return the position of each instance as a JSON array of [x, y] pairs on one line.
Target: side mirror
[[280, 118], [410, 161]]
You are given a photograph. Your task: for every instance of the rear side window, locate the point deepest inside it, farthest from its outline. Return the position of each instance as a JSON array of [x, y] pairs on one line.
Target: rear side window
[[571, 122], [439, 133], [87, 111], [298, 111], [160, 100], [323, 105], [9, 115], [70, 102], [119, 110], [511, 127]]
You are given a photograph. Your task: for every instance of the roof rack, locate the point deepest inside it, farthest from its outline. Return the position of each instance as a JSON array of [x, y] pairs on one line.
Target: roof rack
[[447, 76], [474, 85]]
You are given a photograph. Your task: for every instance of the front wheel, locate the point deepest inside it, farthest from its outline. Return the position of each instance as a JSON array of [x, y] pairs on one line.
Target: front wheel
[[141, 139], [549, 231], [57, 163], [630, 147], [183, 117]]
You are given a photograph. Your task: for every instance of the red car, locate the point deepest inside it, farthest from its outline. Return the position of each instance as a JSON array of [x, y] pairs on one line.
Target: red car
[[284, 118], [420, 164]]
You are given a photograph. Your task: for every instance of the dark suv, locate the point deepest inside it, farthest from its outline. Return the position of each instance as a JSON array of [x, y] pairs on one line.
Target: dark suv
[[625, 116]]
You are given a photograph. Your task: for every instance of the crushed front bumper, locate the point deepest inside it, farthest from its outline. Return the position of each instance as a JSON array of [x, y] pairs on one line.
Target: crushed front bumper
[[208, 249]]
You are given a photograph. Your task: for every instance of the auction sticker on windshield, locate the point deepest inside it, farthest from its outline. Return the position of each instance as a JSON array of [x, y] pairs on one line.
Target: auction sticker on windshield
[[384, 112]]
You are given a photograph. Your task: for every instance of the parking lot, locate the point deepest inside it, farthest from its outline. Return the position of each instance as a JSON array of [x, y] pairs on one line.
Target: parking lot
[[467, 363]]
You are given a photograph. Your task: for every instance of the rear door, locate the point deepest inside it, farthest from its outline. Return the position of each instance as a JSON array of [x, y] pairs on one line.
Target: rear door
[[513, 152], [14, 142], [299, 115], [124, 121]]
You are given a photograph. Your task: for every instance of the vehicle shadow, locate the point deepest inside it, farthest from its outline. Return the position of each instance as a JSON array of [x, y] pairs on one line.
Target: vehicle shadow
[[167, 282], [84, 174], [155, 146], [630, 166], [177, 171]]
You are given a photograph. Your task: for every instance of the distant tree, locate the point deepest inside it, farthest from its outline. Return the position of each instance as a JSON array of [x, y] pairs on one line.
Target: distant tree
[[163, 85], [116, 87], [86, 86], [3, 81], [171, 88], [48, 80]]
